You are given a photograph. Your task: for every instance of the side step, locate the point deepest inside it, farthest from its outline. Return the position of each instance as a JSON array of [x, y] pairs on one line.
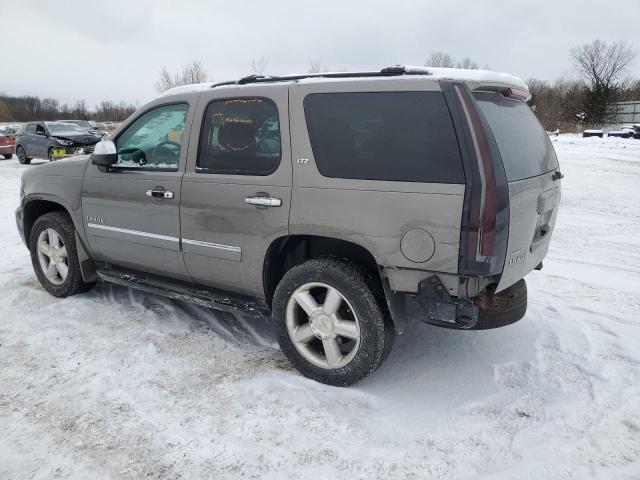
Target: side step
[[176, 290]]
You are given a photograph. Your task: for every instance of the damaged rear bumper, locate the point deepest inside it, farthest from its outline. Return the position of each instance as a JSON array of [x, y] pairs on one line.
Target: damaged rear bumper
[[433, 304]]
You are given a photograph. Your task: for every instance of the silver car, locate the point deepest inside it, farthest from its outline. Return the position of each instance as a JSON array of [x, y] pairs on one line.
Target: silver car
[[340, 205]]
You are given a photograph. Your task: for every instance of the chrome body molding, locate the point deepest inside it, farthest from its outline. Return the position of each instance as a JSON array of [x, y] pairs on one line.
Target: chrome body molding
[[198, 247], [208, 249], [134, 236], [212, 245]]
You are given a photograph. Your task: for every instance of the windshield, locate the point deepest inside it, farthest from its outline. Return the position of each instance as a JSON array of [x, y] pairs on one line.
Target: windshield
[[524, 145], [58, 128]]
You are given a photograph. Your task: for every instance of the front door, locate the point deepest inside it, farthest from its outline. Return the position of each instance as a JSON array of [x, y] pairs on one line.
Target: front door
[[131, 211], [237, 188]]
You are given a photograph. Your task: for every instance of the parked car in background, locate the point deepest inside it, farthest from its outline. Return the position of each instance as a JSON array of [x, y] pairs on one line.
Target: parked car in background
[[7, 145], [85, 125], [343, 203], [46, 139]]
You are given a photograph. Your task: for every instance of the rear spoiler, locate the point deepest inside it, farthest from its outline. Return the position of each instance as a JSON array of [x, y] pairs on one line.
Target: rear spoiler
[[485, 80]]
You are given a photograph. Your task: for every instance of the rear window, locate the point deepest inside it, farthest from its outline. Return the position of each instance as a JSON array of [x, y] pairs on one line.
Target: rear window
[[524, 145], [396, 136]]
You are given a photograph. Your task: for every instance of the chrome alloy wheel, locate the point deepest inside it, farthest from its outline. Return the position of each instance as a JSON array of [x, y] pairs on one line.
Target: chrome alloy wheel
[[322, 325], [52, 256]]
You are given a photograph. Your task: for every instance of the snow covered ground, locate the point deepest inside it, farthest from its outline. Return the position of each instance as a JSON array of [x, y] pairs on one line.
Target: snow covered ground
[[119, 384]]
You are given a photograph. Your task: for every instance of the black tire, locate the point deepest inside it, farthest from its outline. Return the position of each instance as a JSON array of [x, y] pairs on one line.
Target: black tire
[[63, 226], [506, 307], [50, 154], [22, 155], [8, 157], [376, 330]]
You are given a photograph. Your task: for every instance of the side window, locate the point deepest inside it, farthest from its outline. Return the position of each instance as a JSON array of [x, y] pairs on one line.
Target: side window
[[154, 140], [40, 130], [31, 128], [396, 136], [240, 137]]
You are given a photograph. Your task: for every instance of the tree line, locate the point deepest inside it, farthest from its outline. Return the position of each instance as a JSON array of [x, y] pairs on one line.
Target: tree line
[[29, 108], [569, 103]]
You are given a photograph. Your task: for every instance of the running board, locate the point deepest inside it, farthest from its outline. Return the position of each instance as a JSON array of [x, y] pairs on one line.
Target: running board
[[216, 299]]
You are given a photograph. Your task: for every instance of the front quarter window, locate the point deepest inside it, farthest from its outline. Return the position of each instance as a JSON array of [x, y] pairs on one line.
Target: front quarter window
[[154, 140]]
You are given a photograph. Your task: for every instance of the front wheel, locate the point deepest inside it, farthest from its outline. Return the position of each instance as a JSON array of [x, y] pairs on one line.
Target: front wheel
[[52, 244], [329, 323]]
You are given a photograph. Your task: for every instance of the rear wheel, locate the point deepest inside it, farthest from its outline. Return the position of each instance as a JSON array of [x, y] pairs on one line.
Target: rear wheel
[[7, 157], [52, 244], [22, 155], [329, 323]]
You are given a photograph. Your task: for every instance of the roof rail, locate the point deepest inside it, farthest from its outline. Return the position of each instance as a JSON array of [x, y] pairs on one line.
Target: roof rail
[[385, 72]]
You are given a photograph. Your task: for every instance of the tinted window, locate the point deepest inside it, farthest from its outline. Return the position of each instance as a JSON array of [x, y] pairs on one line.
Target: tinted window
[[240, 137], [524, 145], [154, 140], [40, 130], [401, 136], [31, 128]]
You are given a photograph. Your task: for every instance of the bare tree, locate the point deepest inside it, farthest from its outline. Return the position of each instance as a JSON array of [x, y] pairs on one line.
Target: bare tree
[[315, 66], [259, 65], [441, 59], [5, 112], [602, 67], [192, 72], [602, 63], [467, 64]]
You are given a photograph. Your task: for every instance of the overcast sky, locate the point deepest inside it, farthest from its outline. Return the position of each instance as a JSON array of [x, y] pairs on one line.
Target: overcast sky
[[113, 50]]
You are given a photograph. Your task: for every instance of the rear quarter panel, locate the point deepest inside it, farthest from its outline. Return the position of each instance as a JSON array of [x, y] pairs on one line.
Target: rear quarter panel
[[373, 214]]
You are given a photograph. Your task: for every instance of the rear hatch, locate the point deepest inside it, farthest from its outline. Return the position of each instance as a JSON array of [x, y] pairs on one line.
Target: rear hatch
[[531, 168]]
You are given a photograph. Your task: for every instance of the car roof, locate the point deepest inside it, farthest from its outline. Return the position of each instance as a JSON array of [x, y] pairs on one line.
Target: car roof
[[475, 79]]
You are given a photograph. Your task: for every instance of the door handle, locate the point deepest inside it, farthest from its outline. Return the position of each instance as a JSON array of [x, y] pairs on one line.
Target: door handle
[[159, 193], [263, 201]]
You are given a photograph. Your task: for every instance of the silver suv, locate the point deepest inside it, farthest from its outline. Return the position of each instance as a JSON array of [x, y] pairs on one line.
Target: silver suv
[[342, 205]]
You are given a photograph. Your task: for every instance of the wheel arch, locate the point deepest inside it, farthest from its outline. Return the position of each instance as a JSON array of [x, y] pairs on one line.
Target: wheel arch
[[290, 250], [35, 208]]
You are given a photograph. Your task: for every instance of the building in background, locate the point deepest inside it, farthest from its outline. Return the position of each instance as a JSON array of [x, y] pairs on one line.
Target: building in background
[[628, 112]]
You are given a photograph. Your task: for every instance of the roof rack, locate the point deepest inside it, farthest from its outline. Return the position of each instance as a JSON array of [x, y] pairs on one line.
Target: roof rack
[[385, 72]]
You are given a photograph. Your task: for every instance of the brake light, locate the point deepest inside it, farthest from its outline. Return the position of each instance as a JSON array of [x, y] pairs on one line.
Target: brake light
[[485, 220], [516, 93]]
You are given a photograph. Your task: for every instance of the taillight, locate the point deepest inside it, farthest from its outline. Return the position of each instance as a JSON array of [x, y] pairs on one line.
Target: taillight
[[516, 93], [485, 220]]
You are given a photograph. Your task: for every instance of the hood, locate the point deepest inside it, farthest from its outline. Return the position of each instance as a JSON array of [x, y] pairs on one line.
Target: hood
[[68, 167], [79, 138]]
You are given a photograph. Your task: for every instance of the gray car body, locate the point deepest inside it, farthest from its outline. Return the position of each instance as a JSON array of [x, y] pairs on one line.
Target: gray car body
[[37, 144], [206, 234]]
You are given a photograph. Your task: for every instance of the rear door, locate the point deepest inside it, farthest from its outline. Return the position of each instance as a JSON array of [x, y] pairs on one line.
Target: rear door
[[530, 165], [39, 142], [236, 191]]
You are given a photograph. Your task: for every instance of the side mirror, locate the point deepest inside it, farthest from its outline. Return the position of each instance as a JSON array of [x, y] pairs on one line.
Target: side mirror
[[104, 153]]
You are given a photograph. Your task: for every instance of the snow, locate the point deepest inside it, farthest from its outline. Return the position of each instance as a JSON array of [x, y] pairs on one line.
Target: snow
[[592, 131], [182, 89], [477, 77], [120, 384], [468, 75]]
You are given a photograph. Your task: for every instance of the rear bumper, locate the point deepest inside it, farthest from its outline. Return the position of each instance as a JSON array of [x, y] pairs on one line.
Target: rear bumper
[[7, 149], [432, 304]]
